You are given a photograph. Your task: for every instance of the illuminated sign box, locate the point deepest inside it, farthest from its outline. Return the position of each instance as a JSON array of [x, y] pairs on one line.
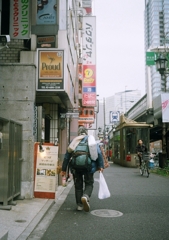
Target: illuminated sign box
[[50, 74]]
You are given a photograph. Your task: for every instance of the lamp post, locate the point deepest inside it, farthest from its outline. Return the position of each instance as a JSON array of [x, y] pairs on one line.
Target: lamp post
[[161, 66]]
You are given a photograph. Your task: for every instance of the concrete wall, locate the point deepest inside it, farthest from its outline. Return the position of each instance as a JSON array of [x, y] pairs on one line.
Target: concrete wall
[[17, 99]]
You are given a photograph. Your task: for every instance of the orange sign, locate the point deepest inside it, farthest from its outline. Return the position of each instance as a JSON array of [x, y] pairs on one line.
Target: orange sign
[[86, 115]]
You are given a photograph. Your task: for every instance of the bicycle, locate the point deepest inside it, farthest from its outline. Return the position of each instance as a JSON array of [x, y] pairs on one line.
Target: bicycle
[[144, 165]]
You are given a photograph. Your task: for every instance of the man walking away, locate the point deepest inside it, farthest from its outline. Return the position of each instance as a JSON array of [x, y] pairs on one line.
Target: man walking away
[[82, 167]]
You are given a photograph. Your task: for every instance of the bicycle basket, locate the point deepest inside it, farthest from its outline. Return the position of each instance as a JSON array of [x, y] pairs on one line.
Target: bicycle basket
[[146, 157]]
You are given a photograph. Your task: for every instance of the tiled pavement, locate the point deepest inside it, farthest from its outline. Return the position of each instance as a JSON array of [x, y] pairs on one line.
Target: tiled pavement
[[20, 221]]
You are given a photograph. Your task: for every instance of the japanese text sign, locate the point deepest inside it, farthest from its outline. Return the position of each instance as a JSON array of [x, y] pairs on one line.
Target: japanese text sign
[[89, 40], [19, 19]]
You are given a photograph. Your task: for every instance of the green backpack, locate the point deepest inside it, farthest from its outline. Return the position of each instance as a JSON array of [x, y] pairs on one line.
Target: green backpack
[[81, 157]]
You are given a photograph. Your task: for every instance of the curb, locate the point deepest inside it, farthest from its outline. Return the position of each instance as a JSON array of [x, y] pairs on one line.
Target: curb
[[42, 226], [36, 220], [3, 234]]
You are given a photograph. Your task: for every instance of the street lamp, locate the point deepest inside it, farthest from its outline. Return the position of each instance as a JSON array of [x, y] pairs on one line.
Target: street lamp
[[100, 133], [161, 66], [107, 129]]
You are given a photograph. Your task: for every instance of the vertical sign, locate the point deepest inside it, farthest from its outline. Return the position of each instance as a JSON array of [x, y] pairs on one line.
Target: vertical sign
[[89, 62], [46, 12], [19, 19], [50, 70]]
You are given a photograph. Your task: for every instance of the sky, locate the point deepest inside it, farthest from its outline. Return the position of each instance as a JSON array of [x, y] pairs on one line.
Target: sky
[[119, 46]]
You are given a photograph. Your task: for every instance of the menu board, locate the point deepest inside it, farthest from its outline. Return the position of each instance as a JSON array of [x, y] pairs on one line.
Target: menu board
[[45, 175]]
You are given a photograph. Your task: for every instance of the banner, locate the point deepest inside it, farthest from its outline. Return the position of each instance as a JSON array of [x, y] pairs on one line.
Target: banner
[[165, 107], [19, 19]]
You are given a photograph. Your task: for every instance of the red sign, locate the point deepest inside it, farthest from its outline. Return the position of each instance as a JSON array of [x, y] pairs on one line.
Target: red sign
[[89, 75], [89, 99], [89, 80]]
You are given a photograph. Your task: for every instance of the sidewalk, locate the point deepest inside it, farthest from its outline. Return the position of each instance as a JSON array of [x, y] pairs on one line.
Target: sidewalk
[[21, 220]]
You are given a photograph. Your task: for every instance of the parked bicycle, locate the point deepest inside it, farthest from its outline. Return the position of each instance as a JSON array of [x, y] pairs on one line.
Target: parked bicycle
[[144, 168]]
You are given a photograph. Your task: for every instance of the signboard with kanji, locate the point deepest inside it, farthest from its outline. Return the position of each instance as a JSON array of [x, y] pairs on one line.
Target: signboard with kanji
[[19, 19], [150, 58]]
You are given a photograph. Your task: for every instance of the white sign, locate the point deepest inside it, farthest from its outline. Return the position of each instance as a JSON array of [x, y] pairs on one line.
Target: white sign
[[89, 40], [45, 176], [114, 116]]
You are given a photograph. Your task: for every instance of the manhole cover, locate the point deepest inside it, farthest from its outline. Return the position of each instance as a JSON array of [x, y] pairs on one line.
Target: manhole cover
[[20, 221], [106, 213]]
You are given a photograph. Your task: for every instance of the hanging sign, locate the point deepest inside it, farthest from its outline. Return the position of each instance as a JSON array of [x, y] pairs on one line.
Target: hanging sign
[[19, 19]]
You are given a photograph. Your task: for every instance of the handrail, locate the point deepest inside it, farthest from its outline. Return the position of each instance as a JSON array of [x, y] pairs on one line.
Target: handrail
[[138, 108]]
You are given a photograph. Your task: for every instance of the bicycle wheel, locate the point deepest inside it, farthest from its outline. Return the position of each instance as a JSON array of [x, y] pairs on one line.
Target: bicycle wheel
[[142, 170], [147, 172]]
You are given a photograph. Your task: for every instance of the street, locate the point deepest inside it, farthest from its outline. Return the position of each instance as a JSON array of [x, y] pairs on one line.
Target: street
[[140, 210]]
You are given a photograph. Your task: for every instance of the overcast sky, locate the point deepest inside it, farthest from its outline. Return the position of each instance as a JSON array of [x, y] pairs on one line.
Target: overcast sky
[[120, 46]]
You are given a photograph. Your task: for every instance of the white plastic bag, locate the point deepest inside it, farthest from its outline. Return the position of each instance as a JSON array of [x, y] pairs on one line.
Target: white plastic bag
[[103, 188], [92, 147]]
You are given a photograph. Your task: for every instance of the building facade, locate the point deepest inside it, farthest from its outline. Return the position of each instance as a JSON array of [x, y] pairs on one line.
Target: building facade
[[39, 80], [112, 107], [121, 102], [156, 17]]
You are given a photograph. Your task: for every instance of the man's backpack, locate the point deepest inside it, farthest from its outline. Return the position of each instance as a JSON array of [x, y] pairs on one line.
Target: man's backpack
[[81, 157]]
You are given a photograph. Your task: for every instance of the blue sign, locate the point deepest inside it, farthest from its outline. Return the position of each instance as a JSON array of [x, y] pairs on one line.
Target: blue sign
[[46, 12], [89, 89]]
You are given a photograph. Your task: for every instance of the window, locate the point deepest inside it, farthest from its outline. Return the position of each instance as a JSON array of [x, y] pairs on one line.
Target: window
[[5, 17]]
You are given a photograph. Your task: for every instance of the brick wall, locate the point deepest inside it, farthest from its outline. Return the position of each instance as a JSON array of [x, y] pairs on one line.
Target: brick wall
[[12, 54]]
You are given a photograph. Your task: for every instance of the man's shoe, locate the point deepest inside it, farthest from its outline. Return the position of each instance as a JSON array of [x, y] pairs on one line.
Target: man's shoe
[[85, 203], [79, 208]]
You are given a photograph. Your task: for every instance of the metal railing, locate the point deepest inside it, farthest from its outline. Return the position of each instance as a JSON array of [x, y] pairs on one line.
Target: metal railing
[[138, 109]]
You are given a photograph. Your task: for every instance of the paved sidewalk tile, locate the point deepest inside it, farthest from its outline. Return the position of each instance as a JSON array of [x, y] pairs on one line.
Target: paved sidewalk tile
[[20, 221], [25, 215]]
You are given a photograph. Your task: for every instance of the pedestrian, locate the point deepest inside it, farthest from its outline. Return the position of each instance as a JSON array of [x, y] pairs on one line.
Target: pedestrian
[[140, 150], [82, 177]]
